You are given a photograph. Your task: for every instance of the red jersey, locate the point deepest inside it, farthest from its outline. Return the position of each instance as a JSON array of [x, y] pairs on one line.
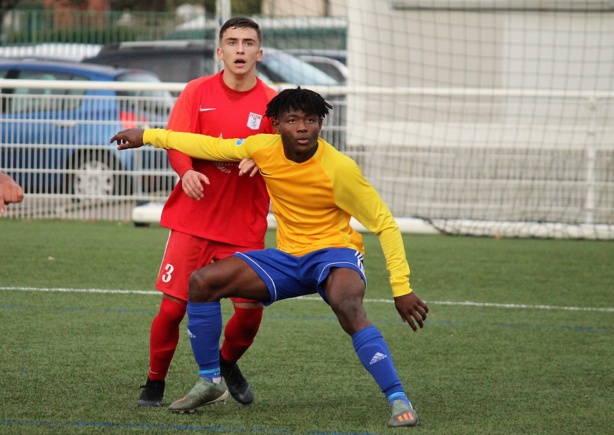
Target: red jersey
[[233, 209]]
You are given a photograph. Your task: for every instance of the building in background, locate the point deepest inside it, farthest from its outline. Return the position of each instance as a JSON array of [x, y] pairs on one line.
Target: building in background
[[298, 8]]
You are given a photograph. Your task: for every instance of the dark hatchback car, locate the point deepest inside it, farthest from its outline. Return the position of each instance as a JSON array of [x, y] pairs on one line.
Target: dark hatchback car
[[332, 62], [56, 139], [184, 60]]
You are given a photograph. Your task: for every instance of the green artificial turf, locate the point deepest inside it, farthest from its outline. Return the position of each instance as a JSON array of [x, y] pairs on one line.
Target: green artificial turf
[[519, 340]]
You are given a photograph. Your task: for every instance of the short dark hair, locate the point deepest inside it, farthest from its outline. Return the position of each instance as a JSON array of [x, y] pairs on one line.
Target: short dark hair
[[305, 100], [240, 23]]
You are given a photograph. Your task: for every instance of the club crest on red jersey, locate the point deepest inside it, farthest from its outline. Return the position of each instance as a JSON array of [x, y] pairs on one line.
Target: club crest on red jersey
[[254, 120]]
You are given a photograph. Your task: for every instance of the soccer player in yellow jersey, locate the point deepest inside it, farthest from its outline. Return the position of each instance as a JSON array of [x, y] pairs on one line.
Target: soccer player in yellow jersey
[[314, 190]]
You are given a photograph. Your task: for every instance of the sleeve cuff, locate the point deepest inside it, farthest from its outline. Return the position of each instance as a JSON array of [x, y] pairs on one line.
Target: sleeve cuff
[[401, 290], [149, 136]]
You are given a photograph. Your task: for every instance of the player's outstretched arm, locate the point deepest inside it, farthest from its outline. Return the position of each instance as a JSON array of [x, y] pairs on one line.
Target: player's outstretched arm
[[130, 138], [412, 308]]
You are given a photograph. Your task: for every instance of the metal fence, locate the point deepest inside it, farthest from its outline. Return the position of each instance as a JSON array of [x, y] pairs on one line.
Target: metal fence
[[524, 177], [55, 143]]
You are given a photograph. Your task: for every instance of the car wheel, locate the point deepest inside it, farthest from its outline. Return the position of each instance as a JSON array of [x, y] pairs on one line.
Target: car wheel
[[94, 176]]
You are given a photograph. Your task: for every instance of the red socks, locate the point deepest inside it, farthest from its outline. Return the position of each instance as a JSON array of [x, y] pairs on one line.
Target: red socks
[[164, 337], [240, 332]]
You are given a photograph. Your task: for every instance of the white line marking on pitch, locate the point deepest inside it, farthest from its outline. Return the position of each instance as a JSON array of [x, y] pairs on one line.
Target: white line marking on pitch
[[388, 301]]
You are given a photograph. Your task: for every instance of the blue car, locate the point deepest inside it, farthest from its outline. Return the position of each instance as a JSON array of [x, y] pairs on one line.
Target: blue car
[[57, 140]]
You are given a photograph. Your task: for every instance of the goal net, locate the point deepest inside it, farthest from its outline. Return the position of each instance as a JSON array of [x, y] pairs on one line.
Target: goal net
[[483, 117], [486, 117]]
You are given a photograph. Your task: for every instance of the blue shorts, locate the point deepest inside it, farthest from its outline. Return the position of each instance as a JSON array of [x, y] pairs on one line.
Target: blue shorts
[[288, 276]]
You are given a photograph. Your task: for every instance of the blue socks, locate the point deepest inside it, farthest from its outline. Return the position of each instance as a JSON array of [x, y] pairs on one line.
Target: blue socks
[[375, 357], [204, 330]]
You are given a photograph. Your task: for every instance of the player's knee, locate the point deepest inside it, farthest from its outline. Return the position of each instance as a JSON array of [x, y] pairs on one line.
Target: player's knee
[[205, 285], [345, 298], [172, 309], [202, 288], [350, 313]]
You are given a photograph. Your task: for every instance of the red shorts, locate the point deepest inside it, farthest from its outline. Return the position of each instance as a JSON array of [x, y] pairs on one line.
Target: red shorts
[[183, 255]]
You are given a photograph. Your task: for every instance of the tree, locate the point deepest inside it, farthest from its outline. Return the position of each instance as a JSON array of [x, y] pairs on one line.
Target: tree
[[5, 7], [239, 7]]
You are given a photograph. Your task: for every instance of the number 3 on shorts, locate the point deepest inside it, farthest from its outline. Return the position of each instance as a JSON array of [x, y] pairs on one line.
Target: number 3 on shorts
[[166, 276]]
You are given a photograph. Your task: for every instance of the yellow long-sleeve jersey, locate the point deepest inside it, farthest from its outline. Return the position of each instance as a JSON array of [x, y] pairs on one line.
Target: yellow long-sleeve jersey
[[312, 201]]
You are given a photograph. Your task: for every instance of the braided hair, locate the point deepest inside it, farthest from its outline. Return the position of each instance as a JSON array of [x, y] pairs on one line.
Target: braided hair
[[304, 100]]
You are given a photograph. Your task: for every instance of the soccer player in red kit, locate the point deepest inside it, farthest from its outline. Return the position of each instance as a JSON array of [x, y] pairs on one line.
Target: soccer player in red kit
[[212, 212]]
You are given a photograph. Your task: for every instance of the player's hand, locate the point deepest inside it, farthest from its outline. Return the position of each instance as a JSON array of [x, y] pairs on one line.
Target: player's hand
[[192, 183], [10, 192], [412, 309], [248, 166], [130, 138]]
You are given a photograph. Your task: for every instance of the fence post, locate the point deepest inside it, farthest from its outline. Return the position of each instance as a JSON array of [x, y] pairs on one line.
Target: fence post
[[591, 161]]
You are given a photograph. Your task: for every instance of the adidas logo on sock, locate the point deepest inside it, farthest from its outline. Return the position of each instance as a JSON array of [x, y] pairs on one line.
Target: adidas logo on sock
[[377, 357], [190, 334]]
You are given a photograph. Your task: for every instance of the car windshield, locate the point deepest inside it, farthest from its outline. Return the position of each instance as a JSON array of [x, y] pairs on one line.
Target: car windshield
[[290, 69]]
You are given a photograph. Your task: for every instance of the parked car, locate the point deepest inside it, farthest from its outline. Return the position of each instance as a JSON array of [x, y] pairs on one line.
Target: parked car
[[279, 32], [332, 62], [185, 60], [57, 140], [51, 50], [338, 55], [332, 67]]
